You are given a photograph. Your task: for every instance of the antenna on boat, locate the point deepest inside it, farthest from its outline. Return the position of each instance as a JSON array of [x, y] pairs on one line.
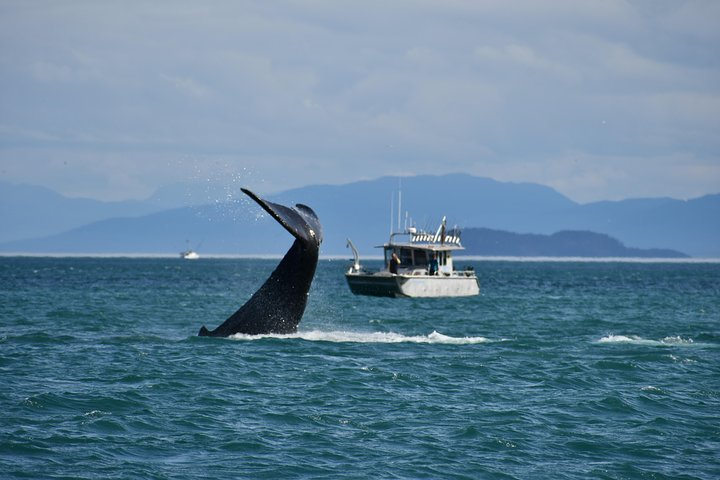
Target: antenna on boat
[[392, 211], [399, 203], [440, 233]]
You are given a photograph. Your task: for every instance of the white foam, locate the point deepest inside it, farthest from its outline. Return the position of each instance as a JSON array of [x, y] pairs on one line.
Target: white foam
[[634, 339], [650, 388], [368, 337]]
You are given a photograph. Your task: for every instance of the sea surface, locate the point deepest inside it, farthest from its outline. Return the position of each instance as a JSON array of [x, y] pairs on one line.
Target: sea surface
[[558, 370]]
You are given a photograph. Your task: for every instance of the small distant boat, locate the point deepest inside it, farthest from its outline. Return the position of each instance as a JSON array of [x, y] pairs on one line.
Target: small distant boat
[[425, 267], [189, 255]]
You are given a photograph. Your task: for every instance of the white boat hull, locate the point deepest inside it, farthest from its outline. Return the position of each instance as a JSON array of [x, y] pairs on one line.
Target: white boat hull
[[384, 284]]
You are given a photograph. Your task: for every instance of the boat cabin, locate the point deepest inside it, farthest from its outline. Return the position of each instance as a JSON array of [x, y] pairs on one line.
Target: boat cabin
[[416, 253]]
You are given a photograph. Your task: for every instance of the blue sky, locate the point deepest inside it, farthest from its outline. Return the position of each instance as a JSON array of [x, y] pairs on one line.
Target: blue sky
[[600, 100]]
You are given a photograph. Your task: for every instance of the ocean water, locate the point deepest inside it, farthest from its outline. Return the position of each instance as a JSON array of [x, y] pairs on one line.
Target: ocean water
[[557, 370]]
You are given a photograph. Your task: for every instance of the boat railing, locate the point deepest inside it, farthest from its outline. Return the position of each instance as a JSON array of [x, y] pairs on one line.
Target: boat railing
[[424, 238], [356, 256], [394, 235]]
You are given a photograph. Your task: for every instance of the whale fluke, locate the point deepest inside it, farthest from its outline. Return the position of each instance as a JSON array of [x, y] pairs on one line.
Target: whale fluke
[[278, 306]]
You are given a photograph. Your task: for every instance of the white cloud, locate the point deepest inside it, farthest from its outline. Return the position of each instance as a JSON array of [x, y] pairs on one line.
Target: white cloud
[[327, 92], [188, 86]]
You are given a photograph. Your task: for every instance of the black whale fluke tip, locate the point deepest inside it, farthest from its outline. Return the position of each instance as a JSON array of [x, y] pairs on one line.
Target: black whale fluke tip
[[249, 193]]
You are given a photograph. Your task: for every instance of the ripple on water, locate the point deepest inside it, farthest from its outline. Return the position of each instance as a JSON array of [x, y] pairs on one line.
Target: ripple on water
[[556, 371]]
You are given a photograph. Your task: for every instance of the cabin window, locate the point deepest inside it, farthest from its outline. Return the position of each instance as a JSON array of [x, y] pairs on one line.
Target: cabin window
[[421, 258], [406, 256]]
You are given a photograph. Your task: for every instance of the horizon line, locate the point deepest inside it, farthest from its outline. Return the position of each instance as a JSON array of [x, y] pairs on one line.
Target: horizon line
[[478, 258]]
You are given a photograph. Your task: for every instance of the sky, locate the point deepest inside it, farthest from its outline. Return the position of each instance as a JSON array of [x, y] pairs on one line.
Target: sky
[[601, 100]]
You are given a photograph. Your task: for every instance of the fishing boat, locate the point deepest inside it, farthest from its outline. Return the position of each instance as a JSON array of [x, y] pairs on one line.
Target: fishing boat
[[416, 264], [189, 255]]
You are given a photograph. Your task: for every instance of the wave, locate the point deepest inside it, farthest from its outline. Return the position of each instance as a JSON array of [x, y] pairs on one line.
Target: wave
[[368, 337], [636, 340]]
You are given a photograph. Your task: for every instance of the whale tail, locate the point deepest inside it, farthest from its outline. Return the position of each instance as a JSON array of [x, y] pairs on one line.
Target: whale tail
[[278, 306]]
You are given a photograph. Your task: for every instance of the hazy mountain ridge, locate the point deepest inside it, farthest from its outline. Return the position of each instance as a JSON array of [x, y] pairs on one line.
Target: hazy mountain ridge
[[363, 208], [30, 211], [567, 243], [361, 211]]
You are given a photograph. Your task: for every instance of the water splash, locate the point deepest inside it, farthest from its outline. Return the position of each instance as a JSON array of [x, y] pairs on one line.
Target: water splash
[[636, 340], [369, 337], [219, 183]]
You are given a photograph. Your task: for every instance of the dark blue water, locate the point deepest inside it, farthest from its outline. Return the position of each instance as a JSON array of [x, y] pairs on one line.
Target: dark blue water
[[557, 370]]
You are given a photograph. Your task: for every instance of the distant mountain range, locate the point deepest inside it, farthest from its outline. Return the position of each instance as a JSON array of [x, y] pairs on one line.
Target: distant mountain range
[[30, 212], [498, 218], [496, 243]]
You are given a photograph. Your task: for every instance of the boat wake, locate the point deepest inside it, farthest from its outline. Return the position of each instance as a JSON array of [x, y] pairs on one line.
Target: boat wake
[[368, 337]]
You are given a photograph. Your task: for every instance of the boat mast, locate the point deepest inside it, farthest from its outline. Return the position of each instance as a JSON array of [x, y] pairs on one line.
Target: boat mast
[[392, 211], [399, 203]]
